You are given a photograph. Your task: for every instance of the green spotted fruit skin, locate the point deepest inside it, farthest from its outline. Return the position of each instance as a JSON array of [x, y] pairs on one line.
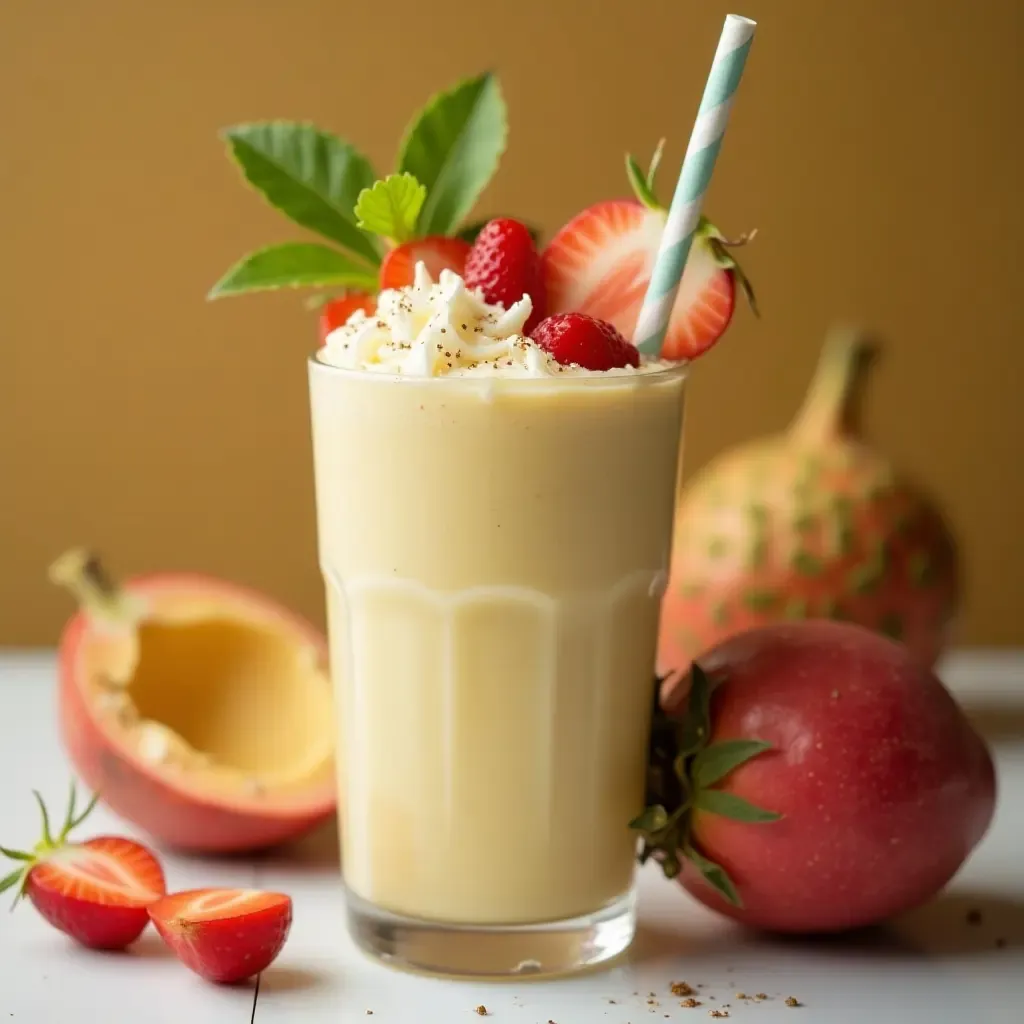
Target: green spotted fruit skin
[[795, 528]]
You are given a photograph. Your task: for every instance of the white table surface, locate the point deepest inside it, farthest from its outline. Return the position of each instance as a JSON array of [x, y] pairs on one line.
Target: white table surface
[[933, 966]]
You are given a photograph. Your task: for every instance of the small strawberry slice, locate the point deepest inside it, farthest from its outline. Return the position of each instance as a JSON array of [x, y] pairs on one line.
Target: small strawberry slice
[[97, 891], [503, 264], [224, 935], [601, 262], [586, 341], [437, 252], [336, 312]]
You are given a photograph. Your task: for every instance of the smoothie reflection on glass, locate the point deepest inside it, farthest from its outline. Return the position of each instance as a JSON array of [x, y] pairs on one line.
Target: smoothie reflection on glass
[[494, 531]]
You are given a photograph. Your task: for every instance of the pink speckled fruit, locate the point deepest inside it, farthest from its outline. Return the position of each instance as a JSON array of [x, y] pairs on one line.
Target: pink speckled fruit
[[812, 523]]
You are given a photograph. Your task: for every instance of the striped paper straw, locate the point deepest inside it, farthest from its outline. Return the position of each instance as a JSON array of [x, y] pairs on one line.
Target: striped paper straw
[[699, 162]]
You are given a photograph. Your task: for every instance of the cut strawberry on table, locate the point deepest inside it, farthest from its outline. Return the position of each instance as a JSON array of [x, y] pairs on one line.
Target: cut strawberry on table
[[97, 891], [224, 935], [504, 265], [575, 338], [337, 311], [601, 261], [436, 252]]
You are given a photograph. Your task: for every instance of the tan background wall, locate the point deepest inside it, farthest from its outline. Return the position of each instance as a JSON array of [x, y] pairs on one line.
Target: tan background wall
[[873, 144]]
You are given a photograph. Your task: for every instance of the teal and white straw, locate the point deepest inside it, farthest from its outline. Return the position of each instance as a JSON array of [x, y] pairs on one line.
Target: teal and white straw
[[699, 162]]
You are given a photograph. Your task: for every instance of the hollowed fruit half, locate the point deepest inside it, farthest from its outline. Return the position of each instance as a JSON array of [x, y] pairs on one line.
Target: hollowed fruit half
[[197, 709]]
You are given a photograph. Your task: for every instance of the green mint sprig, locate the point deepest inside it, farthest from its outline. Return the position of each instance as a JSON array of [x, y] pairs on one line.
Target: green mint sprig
[[391, 207], [683, 769], [324, 184]]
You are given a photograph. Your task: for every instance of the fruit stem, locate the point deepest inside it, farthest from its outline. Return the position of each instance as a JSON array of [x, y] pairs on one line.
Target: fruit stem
[[832, 405], [82, 573]]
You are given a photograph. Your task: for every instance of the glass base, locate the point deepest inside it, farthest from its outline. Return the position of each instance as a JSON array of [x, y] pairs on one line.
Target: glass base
[[492, 951]]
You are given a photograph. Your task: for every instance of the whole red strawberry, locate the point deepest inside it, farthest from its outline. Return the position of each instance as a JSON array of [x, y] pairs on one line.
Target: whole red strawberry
[[504, 265], [575, 338]]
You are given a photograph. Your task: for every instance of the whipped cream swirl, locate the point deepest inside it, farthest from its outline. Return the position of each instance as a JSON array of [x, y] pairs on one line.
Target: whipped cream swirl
[[430, 329]]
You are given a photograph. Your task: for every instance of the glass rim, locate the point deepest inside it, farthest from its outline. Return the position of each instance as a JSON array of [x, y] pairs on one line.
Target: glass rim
[[671, 371]]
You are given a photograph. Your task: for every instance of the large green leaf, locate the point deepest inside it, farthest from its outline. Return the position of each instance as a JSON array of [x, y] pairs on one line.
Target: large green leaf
[[453, 147], [293, 265], [311, 176]]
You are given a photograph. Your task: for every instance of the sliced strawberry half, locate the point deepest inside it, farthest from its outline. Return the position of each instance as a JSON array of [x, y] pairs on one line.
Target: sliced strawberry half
[[97, 891], [336, 312], [224, 935], [600, 263], [436, 252]]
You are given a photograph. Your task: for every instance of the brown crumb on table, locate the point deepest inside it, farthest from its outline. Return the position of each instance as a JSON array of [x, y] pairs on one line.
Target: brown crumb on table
[[481, 1011], [792, 1001], [652, 1002], [680, 988], [761, 995], [974, 917], [742, 995], [718, 1013], [690, 1003]]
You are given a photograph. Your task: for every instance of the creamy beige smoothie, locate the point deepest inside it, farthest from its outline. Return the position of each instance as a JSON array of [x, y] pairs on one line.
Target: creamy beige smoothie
[[494, 532]]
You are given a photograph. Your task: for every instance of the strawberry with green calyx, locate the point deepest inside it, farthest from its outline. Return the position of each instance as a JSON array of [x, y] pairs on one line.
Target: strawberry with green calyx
[[600, 263], [685, 768], [371, 227], [96, 891]]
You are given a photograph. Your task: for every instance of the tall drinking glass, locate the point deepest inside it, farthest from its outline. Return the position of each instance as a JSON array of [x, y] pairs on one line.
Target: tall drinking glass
[[494, 552]]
